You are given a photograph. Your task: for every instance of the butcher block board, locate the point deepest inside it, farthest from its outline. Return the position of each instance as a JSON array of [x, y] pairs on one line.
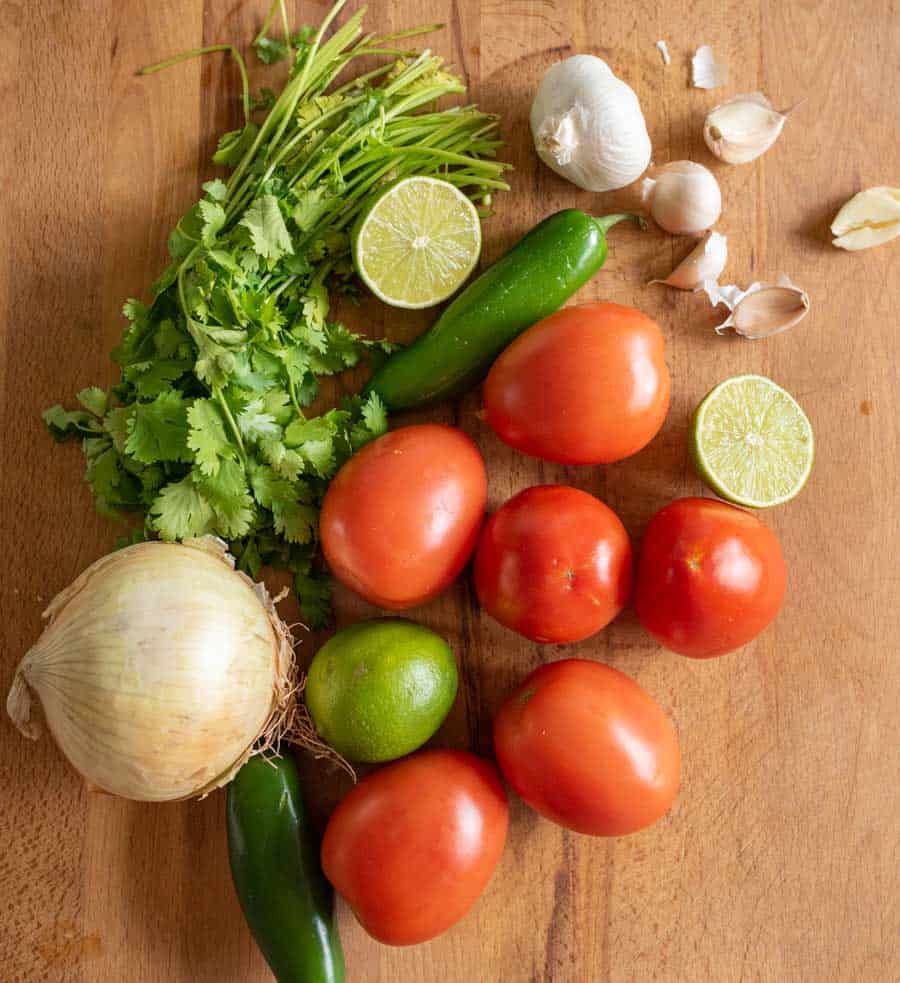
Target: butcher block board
[[779, 860]]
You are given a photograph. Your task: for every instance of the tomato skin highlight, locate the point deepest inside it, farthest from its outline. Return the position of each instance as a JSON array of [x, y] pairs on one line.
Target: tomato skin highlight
[[412, 847], [588, 748], [402, 516], [587, 385], [553, 564], [711, 577]]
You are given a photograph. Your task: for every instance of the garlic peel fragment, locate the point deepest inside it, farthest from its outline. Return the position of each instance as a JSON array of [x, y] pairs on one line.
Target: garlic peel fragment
[[762, 310], [663, 49], [703, 264], [743, 128], [868, 219], [706, 72]]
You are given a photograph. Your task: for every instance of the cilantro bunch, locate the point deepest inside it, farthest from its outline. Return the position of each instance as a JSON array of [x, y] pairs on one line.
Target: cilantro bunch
[[207, 430]]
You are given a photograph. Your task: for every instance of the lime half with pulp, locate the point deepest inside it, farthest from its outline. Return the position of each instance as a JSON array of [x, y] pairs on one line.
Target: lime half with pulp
[[417, 242], [751, 442]]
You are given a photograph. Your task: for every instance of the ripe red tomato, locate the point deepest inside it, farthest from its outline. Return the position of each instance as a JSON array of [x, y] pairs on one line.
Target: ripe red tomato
[[553, 564], [585, 746], [587, 385], [413, 845], [401, 517], [710, 577]]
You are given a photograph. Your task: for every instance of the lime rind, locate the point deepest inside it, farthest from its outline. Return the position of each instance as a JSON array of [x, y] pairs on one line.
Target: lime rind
[[752, 443], [417, 243]]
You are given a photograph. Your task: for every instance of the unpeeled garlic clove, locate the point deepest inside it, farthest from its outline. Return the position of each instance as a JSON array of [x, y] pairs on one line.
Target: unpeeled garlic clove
[[762, 310], [743, 128], [703, 264], [868, 219], [706, 72], [683, 197]]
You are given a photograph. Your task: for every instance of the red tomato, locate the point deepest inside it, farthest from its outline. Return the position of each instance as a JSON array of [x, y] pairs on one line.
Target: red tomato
[[710, 578], [553, 564], [413, 845], [402, 516], [587, 385], [585, 746]]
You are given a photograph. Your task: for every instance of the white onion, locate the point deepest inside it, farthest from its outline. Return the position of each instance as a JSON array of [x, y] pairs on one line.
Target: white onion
[[159, 669]]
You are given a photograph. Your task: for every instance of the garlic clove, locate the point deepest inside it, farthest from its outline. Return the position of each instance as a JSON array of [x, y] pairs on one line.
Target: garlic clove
[[762, 310], [683, 197], [706, 72], [743, 128], [703, 264], [868, 219], [663, 50]]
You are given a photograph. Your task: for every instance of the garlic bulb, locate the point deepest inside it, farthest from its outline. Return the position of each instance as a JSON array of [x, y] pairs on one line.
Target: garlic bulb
[[762, 310], [588, 125], [704, 263], [683, 197], [159, 669], [868, 219], [743, 128]]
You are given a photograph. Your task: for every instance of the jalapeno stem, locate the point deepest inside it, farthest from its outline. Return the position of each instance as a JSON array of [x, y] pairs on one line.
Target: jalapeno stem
[[608, 221]]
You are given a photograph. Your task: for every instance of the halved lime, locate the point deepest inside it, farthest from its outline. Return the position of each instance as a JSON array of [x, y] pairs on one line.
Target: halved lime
[[751, 442], [417, 243]]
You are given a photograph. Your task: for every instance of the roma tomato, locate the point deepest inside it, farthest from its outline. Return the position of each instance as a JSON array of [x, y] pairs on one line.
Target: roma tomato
[[710, 577], [413, 845], [587, 385], [585, 746], [553, 564], [401, 517]]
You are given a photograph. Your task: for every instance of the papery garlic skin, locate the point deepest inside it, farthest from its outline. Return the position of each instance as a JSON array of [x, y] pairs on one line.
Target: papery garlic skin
[[588, 125], [869, 218], [663, 50], [159, 669], [706, 72], [683, 197], [703, 264], [743, 128]]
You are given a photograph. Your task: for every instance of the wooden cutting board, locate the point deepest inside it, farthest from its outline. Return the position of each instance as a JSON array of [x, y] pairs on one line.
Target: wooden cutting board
[[779, 861]]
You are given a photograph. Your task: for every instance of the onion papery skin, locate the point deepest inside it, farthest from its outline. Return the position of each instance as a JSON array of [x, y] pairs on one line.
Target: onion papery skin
[[160, 668]]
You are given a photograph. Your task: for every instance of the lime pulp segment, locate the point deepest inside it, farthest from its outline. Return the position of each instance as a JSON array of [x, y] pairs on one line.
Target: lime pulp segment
[[418, 242], [752, 442]]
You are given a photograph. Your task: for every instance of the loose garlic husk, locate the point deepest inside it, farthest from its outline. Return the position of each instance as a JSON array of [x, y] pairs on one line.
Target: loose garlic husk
[[704, 263], [868, 219], [762, 310], [683, 197], [743, 128]]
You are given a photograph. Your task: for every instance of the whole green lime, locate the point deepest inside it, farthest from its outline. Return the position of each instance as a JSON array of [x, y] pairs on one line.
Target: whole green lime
[[379, 689]]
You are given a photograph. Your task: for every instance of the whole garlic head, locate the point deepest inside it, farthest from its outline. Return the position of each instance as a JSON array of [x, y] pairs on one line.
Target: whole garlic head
[[683, 197], [743, 128], [588, 125]]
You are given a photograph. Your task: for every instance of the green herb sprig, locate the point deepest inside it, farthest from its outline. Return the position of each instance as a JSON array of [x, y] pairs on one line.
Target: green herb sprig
[[207, 431]]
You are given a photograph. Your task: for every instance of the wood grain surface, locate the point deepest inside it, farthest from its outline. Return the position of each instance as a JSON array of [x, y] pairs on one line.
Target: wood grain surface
[[779, 861]]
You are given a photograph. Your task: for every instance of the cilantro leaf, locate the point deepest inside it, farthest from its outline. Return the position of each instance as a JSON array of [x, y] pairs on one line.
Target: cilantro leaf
[[313, 205], [314, 594], [373, 421], [180, 511], [268, 232], [213, 220], [93, 399], [207, 437], [227, 493], [296, 521], [256, 423], [217, 190], [64, 424], [270, 50], [158, 431], [154, 377]]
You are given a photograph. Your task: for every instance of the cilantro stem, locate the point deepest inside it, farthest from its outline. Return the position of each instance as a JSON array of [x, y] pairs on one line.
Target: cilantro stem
[[226, 411], [198, 53]]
